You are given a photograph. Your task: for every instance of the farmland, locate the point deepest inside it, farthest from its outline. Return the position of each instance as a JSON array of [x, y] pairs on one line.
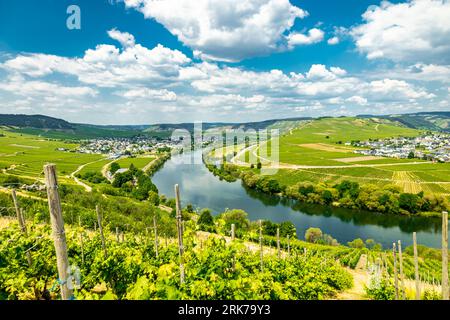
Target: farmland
[[320, 151], [24, 155]]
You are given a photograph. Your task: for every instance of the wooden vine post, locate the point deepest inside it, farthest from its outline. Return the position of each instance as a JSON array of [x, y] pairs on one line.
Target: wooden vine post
[[81, 241], [180, 232], [416, 266], [22, 224], [278, 243], [445, 290], [100, 228], [289, 245], [232, 239], [59, 235], [19, 212], [117, 234], [402, 280], [261, 245], [155, 228], [395, 271]]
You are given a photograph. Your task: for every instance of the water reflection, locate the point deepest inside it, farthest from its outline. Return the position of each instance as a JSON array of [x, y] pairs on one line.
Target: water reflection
[[202, 189]]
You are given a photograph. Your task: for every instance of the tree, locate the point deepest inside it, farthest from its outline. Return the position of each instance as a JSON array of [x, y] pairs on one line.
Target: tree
[[411, 155], [305, 188], [313, 235], [357, 243], [327, 196], [348, 188], [237, 217], [258, 165], [370, 243], [205, 221], [153, 198], [189, 208], [287, 228], [269, 228], [121, 178], [409, 202], [114, 167]]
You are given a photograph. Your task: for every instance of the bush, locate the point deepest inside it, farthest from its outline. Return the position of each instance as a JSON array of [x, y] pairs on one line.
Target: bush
[[114, 167], [380, 289], [313, 235], [357, 243], [206, 221]]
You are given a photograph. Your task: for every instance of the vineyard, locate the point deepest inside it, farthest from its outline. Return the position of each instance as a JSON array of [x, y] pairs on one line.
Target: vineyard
[[100, 254], [131, 269]]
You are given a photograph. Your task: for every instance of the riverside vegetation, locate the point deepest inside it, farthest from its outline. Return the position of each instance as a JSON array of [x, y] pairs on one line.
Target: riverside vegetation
[[350, 194]]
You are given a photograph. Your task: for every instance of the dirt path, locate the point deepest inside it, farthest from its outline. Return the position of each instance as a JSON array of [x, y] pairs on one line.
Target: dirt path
[[147, 166], [81, 183], [105, 169], [357, 292]]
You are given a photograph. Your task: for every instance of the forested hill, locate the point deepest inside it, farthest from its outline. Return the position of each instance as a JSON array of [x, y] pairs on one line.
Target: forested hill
[[435, 121], [33, 121]]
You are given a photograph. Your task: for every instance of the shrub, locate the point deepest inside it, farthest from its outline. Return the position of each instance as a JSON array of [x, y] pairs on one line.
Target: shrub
[[313, 235]]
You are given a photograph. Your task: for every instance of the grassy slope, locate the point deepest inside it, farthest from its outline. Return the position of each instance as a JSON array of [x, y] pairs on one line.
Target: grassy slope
[[431, 178], [28, 154], [336, 129]]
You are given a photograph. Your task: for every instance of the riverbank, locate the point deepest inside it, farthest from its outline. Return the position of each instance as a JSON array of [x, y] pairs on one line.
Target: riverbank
[[347, 194]]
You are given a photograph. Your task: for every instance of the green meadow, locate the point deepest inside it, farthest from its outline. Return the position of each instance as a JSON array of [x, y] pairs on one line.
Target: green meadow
[[320, 150], [139, 162], [25, 155]]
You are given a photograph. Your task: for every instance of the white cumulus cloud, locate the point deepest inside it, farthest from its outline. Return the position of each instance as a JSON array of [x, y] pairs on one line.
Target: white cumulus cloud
[[230, 30], [414, 31], [314, 36]]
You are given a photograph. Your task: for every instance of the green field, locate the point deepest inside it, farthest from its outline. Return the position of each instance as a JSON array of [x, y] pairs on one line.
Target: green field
[[319, 151], [25, 155], [139, 163]]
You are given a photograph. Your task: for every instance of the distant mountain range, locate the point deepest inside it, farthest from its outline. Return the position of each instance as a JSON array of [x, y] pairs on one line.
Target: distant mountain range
[[58, 128]]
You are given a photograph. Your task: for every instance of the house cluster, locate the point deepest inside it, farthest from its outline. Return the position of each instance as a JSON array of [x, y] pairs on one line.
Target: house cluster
[[37, 186], [433, 147], [118, 147]]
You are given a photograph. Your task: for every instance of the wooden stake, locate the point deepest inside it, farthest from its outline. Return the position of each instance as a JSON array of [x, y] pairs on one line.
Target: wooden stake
[[289, 245], [23, 228], [402, 282], [18, 212], [100, 228], [156, 235], [395, 271], [278, 243], [81, 241], [180, 232], [261, 245], [232, 231], [416, 266], [445, 290], [59, 235], [117, 234]]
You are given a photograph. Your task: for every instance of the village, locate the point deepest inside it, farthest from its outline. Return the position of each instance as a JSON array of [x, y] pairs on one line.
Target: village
[[118, 147], [431, 147]]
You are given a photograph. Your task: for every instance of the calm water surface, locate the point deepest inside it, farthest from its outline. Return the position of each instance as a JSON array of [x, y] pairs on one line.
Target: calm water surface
[[203, 190]]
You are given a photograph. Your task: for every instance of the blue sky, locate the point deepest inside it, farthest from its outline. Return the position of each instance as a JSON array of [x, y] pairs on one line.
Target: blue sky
[[150, 61]]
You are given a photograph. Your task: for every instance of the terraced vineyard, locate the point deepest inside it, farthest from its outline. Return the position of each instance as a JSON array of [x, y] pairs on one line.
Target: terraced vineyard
[[316, 152], [24, 155]]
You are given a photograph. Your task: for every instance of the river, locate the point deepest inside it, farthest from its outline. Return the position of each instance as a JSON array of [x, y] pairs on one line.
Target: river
[[202, 189]]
